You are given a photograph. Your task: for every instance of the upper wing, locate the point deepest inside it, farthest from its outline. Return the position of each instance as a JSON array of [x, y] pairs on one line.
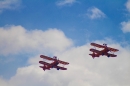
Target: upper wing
[[97, 45], [61, 68], [46, 57], [49, 58], [63, 62], [113, 49], [94, 50], [45, 63], [101, 46]]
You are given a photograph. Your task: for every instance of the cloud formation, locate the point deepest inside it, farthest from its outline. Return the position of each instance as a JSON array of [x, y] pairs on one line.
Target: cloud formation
[[15, 39], [9, 4], [82, 70], [95, 13], [128, 5], [65, 2], [125, 26]]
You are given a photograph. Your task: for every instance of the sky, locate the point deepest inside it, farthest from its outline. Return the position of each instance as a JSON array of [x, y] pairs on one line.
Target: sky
[[64, 28]]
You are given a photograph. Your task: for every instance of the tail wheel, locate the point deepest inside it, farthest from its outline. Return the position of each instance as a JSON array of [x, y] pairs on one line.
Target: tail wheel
[[44, 69]]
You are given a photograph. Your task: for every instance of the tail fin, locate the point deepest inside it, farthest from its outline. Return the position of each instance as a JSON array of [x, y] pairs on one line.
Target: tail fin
[[92, 56], [43, 67]]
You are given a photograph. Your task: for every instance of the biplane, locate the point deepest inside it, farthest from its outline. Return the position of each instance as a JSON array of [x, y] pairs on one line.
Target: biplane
[[105, 51], [54, 63]]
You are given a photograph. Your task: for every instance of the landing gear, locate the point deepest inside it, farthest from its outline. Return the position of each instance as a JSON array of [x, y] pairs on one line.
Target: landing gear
[[58, 68], [108, 56]]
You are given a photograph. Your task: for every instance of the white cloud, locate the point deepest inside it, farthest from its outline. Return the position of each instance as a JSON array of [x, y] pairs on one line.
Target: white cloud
[[94, 13], [9, 4], [128, 5], [14, 39], [82, 70], [125, 26], [3, 82], [64, 2]]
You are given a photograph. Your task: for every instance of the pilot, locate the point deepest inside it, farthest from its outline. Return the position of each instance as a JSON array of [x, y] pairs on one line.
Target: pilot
[[54, 57], [105, 44], [106, 48], [55, 60]]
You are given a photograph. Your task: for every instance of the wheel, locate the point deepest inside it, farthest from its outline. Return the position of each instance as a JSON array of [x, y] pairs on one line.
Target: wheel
[[108, 56]]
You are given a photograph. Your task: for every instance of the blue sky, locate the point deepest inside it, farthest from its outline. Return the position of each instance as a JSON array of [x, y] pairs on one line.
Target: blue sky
[[29, 28], [70, 18]]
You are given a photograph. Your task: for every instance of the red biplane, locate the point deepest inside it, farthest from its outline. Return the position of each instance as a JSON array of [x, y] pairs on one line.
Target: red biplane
[[53, 64], [104, 51]]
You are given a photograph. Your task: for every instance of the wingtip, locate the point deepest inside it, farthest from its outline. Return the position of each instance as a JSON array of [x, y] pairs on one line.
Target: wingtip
[[40, 55], [91, 43]]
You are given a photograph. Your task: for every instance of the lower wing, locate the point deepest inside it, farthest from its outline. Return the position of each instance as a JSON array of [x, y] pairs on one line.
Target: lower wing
[[110, 55], [61, 68], [113, 49], [94, 50], [45, 63], [63, 62]]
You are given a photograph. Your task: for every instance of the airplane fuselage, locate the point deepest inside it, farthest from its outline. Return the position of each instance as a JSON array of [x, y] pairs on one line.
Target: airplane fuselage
[[104, 51], [55, 63]]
